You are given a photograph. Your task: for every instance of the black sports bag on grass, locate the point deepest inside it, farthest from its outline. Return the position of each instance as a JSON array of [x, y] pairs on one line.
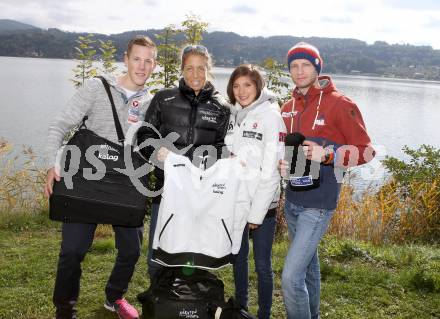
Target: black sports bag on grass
[[98, 194], [185, 293], [188, 293]]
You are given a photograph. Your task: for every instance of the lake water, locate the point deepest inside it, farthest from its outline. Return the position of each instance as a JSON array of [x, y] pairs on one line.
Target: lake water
[[396, 112]]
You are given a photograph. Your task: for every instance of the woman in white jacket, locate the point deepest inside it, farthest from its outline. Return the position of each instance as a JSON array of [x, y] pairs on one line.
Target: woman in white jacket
[[256, 135]]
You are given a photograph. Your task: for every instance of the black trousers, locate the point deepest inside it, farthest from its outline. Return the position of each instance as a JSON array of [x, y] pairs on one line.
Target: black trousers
[[76, 241]]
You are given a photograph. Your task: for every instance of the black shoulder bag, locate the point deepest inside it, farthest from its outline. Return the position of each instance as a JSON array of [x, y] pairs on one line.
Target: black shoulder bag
[[97, 193]]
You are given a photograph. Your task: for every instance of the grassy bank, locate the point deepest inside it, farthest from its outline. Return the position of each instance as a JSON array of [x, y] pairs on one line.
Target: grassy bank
[[359, 280]]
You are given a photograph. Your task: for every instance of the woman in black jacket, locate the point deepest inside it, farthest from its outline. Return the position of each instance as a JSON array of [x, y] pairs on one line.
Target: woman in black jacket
[[195, 111]]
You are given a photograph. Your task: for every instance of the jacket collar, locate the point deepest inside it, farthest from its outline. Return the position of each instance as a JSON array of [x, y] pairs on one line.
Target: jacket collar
[[113, 81], [325, 85], [265, 96], [205, 93]]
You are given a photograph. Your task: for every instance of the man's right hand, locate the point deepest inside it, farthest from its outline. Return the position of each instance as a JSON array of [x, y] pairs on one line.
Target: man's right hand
[[50, 178]]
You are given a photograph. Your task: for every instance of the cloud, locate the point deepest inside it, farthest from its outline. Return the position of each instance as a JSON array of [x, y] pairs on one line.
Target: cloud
[[336, 20], [43, 14], [282, 19], [354, 7], [243, 9], [386, 29], [419, 5], [41, 3], [389, 20], [433, 23]]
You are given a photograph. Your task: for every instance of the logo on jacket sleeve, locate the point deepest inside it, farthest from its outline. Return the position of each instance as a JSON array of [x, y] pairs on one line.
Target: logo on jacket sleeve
[[353, 113], [289, 114]]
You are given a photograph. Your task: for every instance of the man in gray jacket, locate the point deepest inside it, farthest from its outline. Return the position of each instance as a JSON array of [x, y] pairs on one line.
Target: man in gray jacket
[[131, 100]]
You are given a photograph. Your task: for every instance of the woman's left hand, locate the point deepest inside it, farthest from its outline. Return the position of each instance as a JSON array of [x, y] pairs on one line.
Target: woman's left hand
[[253, 226]]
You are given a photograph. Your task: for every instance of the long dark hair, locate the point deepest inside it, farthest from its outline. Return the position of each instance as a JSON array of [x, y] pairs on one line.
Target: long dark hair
[[245, 70]]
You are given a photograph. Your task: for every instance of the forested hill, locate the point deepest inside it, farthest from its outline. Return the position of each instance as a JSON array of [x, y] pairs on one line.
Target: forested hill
[[347, 56], [12, 25]]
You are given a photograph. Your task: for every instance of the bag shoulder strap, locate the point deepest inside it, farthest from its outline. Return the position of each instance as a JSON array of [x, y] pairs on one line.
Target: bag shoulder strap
[[118, 127], [83, 124]]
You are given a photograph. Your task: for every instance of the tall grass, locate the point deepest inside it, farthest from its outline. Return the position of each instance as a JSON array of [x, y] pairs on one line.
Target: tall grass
[[390, 215], [21, 189]]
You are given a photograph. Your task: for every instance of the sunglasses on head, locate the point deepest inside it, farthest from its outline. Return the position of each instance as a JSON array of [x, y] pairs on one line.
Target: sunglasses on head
[[195, 47]]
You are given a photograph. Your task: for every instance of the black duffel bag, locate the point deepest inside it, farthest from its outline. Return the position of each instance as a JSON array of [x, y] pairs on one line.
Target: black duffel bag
[[98, 193], [175, 294]]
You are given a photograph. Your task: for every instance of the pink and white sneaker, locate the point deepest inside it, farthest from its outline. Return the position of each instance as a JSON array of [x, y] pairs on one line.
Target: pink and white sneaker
[[122, 308]]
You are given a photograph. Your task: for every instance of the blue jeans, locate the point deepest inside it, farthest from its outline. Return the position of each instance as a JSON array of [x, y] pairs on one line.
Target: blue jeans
[[262, 238], [301, 278], [153, 267]]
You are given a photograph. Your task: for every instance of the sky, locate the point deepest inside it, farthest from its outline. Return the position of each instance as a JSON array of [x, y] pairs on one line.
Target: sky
[[415, 22]]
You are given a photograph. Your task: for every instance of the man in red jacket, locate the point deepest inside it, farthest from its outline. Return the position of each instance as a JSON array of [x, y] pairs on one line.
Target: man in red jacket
[[335, 138]]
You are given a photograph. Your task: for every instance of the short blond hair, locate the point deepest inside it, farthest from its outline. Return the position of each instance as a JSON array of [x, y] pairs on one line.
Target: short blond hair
[[142, 41]]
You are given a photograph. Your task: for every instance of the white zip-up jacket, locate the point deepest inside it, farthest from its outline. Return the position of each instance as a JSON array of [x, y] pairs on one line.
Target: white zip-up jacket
[[202, 213], [256, 135]]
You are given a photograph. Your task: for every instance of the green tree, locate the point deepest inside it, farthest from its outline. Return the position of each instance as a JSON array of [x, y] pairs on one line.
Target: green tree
[[85, 54], [168, 59], [416, 183], [276, 82], [275, 79], [423, 165], [193, 28], [169, 49], [107, 58]]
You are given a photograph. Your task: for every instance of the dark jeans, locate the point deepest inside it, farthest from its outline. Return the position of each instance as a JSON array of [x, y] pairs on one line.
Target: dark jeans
[[153, 267], [76, 241], [262, 238]]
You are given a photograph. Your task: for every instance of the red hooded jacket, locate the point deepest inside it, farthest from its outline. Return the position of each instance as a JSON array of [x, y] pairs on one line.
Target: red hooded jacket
[[328, 118]]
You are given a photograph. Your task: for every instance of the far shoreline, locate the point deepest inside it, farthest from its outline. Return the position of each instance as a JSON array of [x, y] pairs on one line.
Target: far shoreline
[[371, 76]]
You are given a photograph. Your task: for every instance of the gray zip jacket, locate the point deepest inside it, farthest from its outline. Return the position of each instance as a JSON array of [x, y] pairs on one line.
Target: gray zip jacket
[[91, 99]]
